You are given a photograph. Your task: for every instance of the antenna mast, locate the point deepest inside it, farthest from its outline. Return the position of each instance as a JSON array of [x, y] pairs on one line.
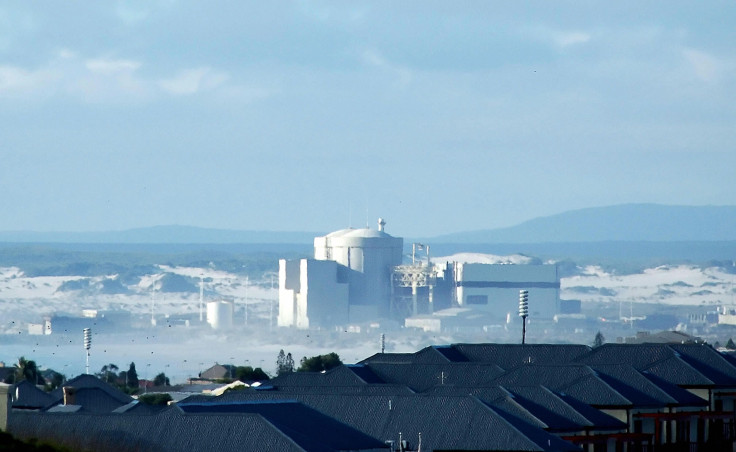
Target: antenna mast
[[270, 307], [523, 312], [87, 344]]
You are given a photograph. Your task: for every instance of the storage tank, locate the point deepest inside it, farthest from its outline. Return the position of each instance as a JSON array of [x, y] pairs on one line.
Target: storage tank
[[220, 314], [369, 256]]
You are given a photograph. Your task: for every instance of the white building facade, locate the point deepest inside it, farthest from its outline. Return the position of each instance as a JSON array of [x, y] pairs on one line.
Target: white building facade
[[495, 288], [348, 281]]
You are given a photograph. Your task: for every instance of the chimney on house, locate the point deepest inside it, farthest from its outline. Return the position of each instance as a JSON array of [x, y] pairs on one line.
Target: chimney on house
[[4, 406], [70, 393]]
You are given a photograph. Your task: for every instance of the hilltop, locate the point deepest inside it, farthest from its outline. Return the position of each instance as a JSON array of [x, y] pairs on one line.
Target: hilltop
[[627, 222]]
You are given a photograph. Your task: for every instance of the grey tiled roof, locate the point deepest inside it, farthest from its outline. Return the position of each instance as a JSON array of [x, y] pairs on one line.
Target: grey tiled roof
[[451, 353], [90, 381], [549, 442], [368, 389], [684, 365], [628, 382], [508, 356], [428, 355], [579, 381], [676, 371], [556, 414], [342, 375], [446, 422], [543, 406], [636, 355], [708, 361], [307, 427], [683, 396], [364, 373], [421, 377], [26, 395], [94, 400], [169, 431], [394, 358], [599, 419]]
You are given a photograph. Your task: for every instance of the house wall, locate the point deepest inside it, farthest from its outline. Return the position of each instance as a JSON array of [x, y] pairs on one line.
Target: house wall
[[4, 406]]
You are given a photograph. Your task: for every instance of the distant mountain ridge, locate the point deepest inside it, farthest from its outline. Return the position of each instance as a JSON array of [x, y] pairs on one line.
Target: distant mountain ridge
[[626, 222]]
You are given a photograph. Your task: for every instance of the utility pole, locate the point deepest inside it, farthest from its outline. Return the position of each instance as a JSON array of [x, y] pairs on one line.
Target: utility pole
[[201, 297], [270, 307], [523, 312]]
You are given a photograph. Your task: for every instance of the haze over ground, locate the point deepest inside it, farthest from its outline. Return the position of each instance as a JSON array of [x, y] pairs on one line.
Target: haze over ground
[[312, 115]]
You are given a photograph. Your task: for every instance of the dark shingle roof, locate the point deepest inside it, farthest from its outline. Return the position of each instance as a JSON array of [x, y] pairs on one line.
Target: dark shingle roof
[[676, 371], [683, 396], [708, 361], [342, 375], [579, 381], [26, 395], [549, 408], [368, 389], [599, 419], [628, 382], [662, 360], [92, 400], [540, 437], [169, 431], [421, 377], [428, 355], [451, 353], [90, 381], [636, 355], [508, 356], [538, 406], [302, 423], [393, 358], [364, 373], [445, 422]]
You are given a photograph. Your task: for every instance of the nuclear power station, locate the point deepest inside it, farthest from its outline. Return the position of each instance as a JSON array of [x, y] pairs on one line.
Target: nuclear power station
[[360, 275]]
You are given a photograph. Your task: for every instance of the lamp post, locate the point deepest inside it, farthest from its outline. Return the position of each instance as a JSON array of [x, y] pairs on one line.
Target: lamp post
[[523, 312]]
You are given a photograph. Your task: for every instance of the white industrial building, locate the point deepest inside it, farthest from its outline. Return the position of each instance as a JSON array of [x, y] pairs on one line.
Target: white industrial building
[[358, 275], [348, 281], [220, 314], [495, 288]]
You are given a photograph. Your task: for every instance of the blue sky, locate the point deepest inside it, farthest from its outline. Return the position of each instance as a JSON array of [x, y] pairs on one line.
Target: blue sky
[[310, 115]]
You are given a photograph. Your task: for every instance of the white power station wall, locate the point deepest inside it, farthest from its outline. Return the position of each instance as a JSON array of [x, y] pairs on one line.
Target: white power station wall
[[349, 279], [370, 256], [311, 294], [495, 288]]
